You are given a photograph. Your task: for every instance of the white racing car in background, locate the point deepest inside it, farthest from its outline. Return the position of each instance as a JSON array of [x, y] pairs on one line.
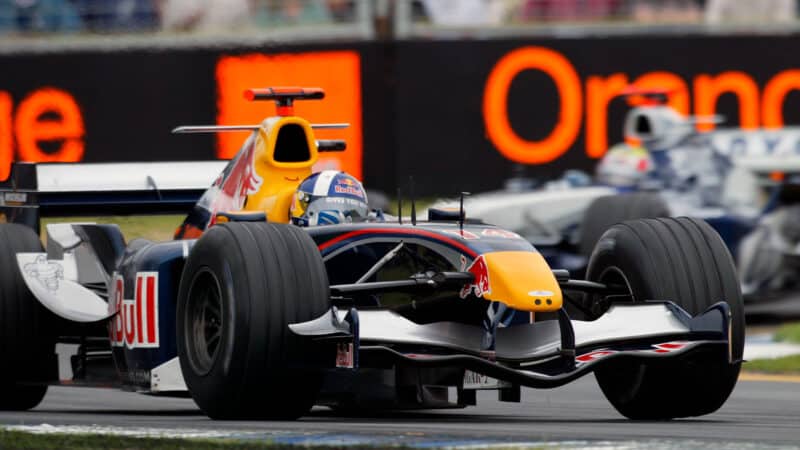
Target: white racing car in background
[[741, 182]]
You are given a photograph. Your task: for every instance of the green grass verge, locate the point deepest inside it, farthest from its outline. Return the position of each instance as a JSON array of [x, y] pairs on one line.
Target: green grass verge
[[420, 204], [22, 440], [58, 441], [789, 333], [162, 227], [787, 365], [155, 228]]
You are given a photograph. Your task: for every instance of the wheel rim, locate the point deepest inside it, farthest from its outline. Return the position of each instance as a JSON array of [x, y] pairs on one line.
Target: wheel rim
[[205, 322]]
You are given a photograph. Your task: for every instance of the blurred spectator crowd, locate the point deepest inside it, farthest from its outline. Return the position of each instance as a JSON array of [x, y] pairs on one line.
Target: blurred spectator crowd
[[711, 12], [101, 16], [112, 16]]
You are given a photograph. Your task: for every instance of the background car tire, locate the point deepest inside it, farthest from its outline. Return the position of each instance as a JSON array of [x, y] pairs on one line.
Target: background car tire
[[262, 277], [612, 209], [27, 342], [685, 261]]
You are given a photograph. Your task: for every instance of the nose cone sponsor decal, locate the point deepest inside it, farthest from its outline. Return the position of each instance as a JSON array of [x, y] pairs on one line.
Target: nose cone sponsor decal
[[520, 279], [463, 234], [481, 285], [485, 233], [540, 293], [500, 233], [136, 322]]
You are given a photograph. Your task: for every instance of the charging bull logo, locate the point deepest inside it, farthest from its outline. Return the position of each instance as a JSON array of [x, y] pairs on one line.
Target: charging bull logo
[[243, 179], [136, 322], [238, 180], [228, 193], [480, 285]]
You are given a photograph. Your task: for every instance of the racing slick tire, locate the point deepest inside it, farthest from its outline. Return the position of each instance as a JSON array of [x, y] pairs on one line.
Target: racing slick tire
[[242, 285], [683, 260], [27, 344], [608, 210]]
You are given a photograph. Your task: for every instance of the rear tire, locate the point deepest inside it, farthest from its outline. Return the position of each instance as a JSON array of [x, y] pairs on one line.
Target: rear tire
[[242, 285], [606, 211], [685, 261], [27, 344]]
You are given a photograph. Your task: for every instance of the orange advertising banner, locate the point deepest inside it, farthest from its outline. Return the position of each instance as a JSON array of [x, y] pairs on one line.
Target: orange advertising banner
[[46, 117]]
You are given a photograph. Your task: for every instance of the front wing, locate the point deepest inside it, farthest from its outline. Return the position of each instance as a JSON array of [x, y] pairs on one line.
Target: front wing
[[541, 355]]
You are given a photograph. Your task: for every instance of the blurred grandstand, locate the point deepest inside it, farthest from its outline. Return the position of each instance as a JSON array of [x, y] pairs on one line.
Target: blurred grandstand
[[310, 19]]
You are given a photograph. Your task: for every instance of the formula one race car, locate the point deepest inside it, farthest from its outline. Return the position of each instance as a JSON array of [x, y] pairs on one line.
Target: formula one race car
[[256, 317]]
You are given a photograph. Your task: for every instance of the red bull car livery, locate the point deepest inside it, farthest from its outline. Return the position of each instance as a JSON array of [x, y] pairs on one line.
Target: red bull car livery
[[255, 317]]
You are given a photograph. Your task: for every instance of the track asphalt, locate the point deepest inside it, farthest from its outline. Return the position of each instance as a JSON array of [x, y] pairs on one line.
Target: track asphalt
[[759, 414]]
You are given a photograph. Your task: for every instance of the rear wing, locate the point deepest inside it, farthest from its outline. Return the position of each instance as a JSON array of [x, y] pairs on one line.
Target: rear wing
[[87, 189]]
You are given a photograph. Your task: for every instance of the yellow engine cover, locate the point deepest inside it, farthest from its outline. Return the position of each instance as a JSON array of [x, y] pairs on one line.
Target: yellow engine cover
[[280, 179]]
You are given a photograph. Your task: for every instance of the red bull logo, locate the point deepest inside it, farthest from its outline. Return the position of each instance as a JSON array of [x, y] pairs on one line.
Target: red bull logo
[[480, 285], [136, 322], [349, 187]]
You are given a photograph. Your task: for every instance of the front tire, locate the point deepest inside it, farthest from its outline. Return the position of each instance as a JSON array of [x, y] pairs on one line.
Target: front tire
[[608, 210], [242, 285], [685, 261], [27, 343]]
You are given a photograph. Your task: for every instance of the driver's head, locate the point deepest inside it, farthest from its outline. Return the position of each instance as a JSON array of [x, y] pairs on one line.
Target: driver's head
[[624, 166], [329, 197]]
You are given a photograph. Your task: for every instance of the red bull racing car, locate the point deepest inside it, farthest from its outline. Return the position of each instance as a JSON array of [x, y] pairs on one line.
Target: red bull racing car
[[264, 306]]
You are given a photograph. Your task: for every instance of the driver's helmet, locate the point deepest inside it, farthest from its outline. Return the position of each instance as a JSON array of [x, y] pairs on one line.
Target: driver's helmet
[[329, 197], [624, 166]]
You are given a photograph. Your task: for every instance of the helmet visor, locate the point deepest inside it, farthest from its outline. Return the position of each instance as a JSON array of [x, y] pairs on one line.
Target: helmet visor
[[333, 210]]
